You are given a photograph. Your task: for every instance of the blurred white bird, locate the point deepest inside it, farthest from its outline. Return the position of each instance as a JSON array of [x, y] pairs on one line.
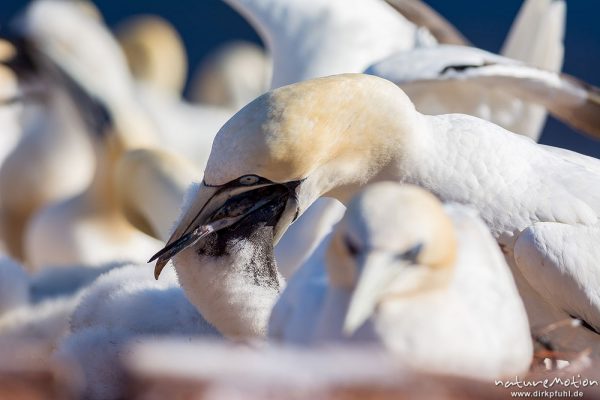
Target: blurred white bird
[[51, 161], [155, 53], [455, 78], [427, 282], [331, 135], [308, 39], [232, 76], [119, 308], [93, 229]]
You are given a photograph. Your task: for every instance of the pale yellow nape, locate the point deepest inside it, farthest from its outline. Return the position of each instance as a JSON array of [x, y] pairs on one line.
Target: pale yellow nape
[[155, 52], [289, 132]]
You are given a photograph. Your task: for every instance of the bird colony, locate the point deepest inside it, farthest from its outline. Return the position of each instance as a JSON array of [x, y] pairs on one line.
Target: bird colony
[[364, 203]]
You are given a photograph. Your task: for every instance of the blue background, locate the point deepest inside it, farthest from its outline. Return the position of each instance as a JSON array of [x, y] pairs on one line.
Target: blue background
[[204, 24]]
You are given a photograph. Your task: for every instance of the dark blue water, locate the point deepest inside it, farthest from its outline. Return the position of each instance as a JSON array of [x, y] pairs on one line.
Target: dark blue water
[[204, 24]]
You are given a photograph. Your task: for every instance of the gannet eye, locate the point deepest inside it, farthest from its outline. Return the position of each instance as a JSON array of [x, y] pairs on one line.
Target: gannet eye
[[353, 249], [248, 180], [412, 254]]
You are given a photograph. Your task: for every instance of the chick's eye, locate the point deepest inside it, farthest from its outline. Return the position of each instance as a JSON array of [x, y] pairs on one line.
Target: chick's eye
[[352, 249], [249, 179]]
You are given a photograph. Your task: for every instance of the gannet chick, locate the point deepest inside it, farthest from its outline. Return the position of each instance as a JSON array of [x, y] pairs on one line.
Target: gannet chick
[[44, 323], [231, 276], [120, 307], [232, 76], [427, 282], [155, 53], [330, 136]]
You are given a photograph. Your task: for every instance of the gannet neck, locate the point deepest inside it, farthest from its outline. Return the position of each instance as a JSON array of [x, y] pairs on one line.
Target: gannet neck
[[152, 184], [314, 38]]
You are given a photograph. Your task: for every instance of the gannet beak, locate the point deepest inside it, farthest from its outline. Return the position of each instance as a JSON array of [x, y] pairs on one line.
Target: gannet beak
[[377, 273], [217, 208]]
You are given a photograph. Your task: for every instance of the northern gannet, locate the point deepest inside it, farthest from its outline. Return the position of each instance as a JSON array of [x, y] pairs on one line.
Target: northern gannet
[[327, 38], [309, 39], [53, 160], [453, 79], [93, 228], [232, 76], [429, 75], [427, 282], [92, 225], [155, 53], [330, 136], [152, 184], [157, 58]]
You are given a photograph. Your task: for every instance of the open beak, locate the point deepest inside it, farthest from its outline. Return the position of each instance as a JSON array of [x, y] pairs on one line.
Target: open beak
[[375, 277], [217, 208]]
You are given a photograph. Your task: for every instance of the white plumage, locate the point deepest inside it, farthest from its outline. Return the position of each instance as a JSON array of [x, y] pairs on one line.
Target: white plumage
[[515, 184], [440, 309]]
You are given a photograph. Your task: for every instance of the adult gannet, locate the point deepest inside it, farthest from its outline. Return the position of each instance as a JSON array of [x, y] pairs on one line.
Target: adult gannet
[[428, 76], [329, 136], [317, 38], [454, 79], [327, 38], [426, 281], [232, 76], [157, 58], [93, 228], [53, 160], [155, 53], [152, 184]]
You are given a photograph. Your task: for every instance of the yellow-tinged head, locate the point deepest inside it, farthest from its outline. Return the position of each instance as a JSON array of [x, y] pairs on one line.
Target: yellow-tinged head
[[155, 52], [325, 136], [394, 241]]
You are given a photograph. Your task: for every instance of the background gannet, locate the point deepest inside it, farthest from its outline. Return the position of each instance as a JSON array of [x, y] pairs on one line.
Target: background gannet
[[428, 283], [329, 136], [155, 53], [536, 38], [152, 184], [232, 76], [52, 159], [158, 61], [455, 78]]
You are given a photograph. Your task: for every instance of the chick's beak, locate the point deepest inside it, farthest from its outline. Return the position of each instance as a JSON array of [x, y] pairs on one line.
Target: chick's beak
[[217, 208], [370, 288]]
